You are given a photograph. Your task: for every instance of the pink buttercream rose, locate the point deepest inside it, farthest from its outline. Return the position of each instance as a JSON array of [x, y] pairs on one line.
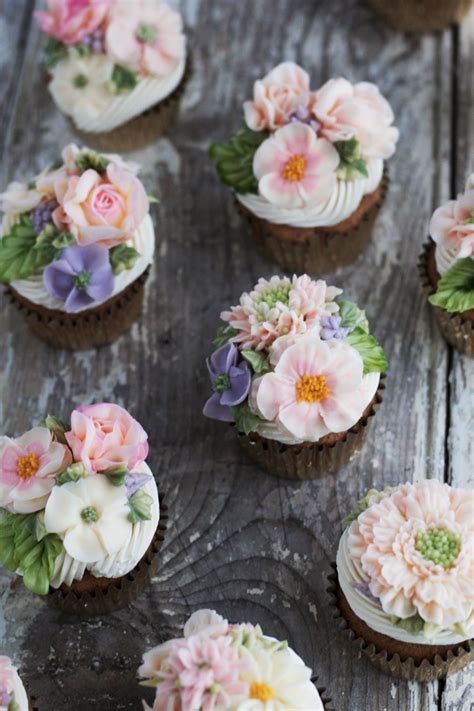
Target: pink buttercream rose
[[105, 435], [146, 37], [277, 96], [452, 224], [70, 21]]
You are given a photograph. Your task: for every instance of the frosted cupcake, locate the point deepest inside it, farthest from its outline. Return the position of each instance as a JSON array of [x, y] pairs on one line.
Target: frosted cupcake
[[77, 241], [422, 15], [307, 168], [117, 68], [447, 269], [298, 372], [13, 696], [405, 567], [80, 512], [216, 665]]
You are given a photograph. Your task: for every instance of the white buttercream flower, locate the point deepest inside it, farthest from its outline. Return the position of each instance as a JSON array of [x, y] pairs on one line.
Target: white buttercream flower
[[80, 85], [19, 198]]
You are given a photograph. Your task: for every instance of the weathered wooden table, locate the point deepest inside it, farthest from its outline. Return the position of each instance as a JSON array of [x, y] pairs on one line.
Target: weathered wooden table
[[253, 547]]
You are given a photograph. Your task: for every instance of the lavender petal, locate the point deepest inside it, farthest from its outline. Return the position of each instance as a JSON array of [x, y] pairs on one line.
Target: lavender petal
[[135, 481]]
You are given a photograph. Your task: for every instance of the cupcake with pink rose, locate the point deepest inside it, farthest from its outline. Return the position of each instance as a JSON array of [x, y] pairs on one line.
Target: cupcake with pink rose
[[76, 246], [81, 520], [13, 695], [117, 68], [403, 579], [218, 665], [297, 371], [447, 269], [307, 167]]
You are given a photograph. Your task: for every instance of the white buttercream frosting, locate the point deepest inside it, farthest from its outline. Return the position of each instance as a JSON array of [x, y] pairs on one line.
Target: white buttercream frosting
[[94, 108], [343, 202], [446, 255], [67, 569], [353, 580]]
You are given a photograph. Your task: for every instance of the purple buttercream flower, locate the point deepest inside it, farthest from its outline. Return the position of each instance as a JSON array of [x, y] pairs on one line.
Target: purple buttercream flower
[[5, 697], [304, 115], [365, 590], [331, 328], [42, 215], [230, 380], [80, 277], [96, 41], [135, 481]]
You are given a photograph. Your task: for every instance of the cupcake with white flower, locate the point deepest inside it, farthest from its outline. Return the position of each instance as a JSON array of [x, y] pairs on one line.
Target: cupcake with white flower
[[297, 371], [76, 244], [79, 509], [405, 567], [224, 666], [447, 269], [117, 68], [307, 167], [13, 696]]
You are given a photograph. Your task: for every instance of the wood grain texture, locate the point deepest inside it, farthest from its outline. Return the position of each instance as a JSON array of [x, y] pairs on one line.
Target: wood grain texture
[[254, 547]]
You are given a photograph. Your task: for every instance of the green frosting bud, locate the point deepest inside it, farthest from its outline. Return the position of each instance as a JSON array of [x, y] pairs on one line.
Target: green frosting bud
[[439, 545], [277, 293], [80, 81], [146, 34], [83, 279], [222, 383], [89, 514]]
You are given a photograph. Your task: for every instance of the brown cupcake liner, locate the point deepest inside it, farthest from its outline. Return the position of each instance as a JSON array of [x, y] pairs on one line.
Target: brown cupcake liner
[[317, 249], [142, 130], [422, 15], [111, 594], [456, 329], [93, 328], [311, 460], [439, 662]]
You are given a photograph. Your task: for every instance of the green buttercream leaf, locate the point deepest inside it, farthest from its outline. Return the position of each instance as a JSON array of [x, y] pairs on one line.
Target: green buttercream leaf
[[83, 50], [234, 160], [351, 161], [373, 496], [50, 243], [40, 529], [90, 160], [223, 335], [455, 290], [18, 258], [57, 428], [123, 80], [152, 199], [351, 316], [122, 257], [116, 475], [140, 506], [371, 352], [74, 472], [245, 420], [257, 360], [54, 51], [13, 705], [414, 625]]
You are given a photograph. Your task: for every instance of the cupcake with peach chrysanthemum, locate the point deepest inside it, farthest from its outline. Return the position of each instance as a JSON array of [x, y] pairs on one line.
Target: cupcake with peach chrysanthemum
[[307, 168], [405, 567], [298, 372]]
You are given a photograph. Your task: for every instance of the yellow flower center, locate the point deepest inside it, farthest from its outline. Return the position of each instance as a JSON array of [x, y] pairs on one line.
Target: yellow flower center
[[261, 691], [312, 388], [294, 168], [27, 466]]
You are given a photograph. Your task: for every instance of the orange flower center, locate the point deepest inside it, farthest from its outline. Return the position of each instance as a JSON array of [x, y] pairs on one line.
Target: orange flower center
[[312, 388], [27, 466], [261, 691], [294, 168]]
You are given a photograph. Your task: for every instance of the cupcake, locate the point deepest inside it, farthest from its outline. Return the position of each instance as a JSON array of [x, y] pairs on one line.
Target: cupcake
[[307, 167], [447, 269], [13, 696], [76, 244], [216, 665], [298, 373], [80, 512], [403, 584], [422, 15], [117, 68]]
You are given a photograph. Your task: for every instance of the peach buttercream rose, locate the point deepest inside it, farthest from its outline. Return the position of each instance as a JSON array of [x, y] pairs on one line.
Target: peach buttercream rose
[[452, 224], [70, 21], [105, 435]]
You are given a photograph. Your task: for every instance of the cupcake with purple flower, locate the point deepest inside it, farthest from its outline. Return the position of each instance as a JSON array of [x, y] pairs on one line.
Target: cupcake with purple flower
[[298, 372], [77, 240]]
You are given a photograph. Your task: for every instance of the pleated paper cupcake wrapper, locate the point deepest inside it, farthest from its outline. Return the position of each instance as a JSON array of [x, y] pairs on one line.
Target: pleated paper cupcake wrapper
[[313, 251], [401, 667], [458, 331], [310, 461], [88, 329], [120, 591], [142, 130], [421, 15]]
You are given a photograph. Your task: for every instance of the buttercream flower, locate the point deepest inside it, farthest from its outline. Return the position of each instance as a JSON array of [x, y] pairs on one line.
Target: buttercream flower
[[19, 198], [345, 110], [277, 96], [331, 328], [294, 168], [7, 676], [70, 21], [278, 307], [80, 277], [230, 378], [452, 224], [102, 210], [206, 622], [146, 36], [417, 548], [28, 465], [105, 435], [92, 517]]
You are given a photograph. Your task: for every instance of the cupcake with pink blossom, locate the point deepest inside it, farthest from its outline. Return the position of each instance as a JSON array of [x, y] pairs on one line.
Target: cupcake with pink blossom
[[13, 695], [218, 665], [307, 167], [80, 516], [403, 582], [447, 269], [297, 371], [117, 68], [76, 246]]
